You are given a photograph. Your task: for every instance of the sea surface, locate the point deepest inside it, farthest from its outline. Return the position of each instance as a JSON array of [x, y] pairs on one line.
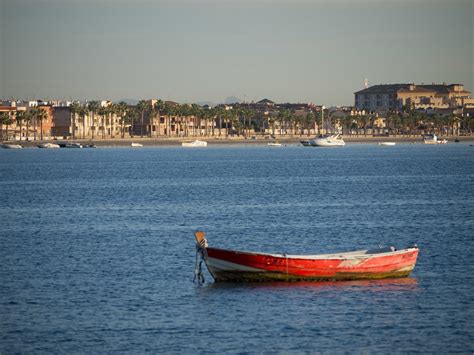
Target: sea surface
[[97, 249]]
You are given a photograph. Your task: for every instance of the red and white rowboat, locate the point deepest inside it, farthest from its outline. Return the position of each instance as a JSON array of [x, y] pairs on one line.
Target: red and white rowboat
[[230, 265]]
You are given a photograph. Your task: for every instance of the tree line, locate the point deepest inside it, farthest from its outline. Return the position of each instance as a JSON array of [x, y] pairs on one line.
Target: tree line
[[30, 119], [241, 119]]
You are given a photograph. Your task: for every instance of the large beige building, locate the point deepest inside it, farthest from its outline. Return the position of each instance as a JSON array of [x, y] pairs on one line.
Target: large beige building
[[397, 96]]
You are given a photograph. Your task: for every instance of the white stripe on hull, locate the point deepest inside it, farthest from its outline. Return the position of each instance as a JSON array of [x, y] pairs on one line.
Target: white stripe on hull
[[228, 266]]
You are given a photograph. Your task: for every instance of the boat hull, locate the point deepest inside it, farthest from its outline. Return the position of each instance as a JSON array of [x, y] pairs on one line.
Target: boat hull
[[235, 266], [48, 146], [328, 141], [194, 144], [11, 146]]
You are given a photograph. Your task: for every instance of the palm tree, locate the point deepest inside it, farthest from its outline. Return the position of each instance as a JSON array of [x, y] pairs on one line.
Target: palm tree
[[130, 118], [308, 119], [102, 112], [166, 110], [142, 108], [362, 122], [112, 111], [122, 109], [93, 108], [160, 107], [28, 117], [318, 120], [40, 115], [220, 113], [20, 118], [211, 115], [34, 111], [75, 109], [83, 111], [4, 120]]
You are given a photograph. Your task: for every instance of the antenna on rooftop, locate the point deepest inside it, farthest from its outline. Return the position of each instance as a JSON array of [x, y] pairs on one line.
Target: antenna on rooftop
[[366, 83]]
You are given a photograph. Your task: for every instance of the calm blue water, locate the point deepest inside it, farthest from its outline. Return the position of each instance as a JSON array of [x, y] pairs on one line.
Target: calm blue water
[[97, 248]]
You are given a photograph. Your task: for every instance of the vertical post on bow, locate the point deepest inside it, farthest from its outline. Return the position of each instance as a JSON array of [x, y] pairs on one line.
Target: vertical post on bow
[[201, 253]]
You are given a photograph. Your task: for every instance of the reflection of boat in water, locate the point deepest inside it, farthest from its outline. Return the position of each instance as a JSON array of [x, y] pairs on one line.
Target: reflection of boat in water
[[48, 145], [196, 143], [10, 146], [239, 266], [403, 284], [387, 144], [328, 140], [433, 139], [274, 144], [136, 145]]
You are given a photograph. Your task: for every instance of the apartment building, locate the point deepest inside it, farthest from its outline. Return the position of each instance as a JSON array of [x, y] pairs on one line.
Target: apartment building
[[397, 96]]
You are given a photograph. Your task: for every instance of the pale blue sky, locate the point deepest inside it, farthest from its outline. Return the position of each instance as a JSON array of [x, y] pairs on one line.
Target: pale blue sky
[[299, 51]]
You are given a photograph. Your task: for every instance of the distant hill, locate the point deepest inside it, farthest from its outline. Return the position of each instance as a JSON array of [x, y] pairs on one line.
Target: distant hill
[[232, 100], [228, 101], [208, 103], [131, 102]]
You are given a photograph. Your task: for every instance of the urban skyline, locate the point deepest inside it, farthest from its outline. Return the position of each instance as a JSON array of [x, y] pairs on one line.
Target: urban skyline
[[303, 51]]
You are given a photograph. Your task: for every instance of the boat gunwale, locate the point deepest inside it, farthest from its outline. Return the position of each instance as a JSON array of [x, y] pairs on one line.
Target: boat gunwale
[[356, 254]]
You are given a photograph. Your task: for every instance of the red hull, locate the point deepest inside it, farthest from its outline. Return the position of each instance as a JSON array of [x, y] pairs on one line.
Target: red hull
[[228, 265]]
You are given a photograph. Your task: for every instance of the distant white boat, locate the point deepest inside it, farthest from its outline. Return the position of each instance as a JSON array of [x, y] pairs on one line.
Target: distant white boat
[[11, 146], [274, 144], [328, 140], [136, 145], [196, 143], [48, 145], [433, 139], [387, 143]]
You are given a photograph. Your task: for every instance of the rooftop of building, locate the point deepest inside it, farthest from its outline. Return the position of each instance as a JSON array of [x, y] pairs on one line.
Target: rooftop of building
[[382, 89], [395, 88]]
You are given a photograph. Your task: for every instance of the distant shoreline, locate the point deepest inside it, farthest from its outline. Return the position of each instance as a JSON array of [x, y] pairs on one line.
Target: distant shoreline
[[126, 142]]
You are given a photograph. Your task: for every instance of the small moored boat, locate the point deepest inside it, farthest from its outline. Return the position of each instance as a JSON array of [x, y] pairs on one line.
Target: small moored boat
[[48, 145], [136, 145], [274, 144], [433, 139], [306, 143], [196, 143], [387, 144], [10, 146], [73, 145], [239, 266], [328, 140]]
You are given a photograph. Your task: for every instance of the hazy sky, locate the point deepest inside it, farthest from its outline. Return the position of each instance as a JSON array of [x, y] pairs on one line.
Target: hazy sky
[[295, 50]]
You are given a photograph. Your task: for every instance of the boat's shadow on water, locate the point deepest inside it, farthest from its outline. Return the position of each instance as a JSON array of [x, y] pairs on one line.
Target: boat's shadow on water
[[408, 284]]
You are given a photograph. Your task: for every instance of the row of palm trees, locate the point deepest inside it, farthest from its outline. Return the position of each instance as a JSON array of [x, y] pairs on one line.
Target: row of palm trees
[[30, 119], [185, 120], [177, 119]]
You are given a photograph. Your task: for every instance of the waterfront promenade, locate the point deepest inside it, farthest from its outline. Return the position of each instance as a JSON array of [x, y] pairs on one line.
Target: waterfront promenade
[[124, 142]]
